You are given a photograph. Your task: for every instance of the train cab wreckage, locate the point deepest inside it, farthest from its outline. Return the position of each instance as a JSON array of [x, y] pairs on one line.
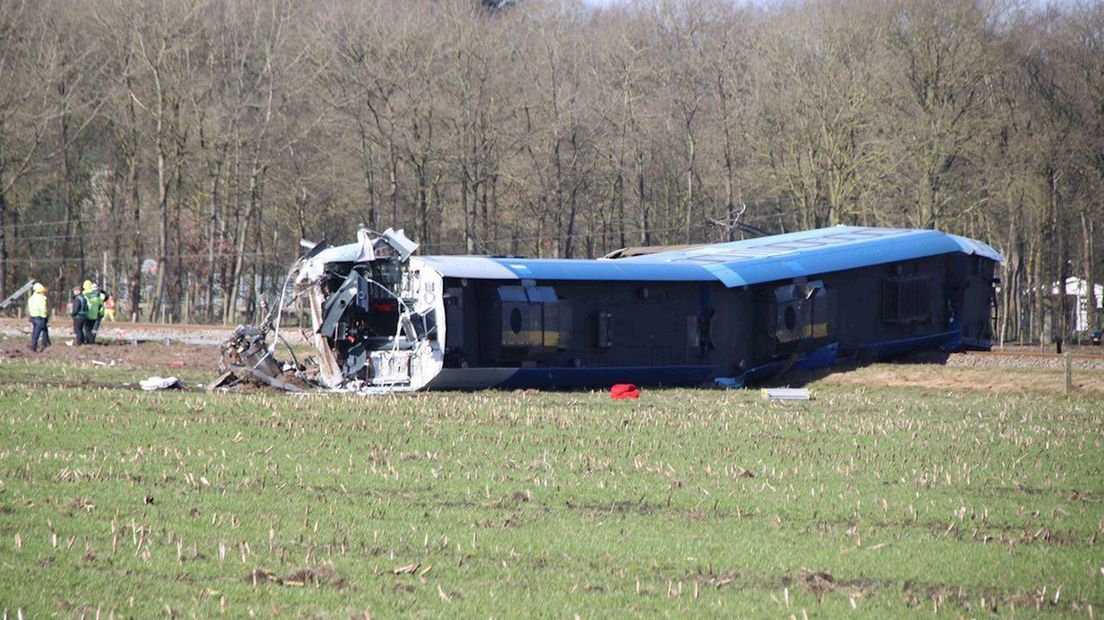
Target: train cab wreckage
[[382, 319]]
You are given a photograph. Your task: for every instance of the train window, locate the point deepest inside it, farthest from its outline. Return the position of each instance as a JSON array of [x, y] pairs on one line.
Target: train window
[[906, 300]]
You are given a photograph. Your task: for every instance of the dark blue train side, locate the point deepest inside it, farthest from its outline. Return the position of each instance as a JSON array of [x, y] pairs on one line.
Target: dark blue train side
[[746, 310]]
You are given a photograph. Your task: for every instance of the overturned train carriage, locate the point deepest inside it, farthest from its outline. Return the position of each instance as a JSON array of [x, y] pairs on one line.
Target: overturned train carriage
[[748, 310]]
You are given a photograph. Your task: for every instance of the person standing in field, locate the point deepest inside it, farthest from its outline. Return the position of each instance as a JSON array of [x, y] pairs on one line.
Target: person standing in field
[[93, 303], [79, 311], [109, 308], [97, 301], [37, 310]]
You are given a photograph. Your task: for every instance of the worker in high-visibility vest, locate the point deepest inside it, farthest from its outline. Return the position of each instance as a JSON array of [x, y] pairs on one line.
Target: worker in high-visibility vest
[[104, 298], [94, 301], [37, 309], [79, 311]]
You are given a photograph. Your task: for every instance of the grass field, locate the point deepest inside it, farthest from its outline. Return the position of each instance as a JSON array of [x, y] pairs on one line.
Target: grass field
[[879, 502]]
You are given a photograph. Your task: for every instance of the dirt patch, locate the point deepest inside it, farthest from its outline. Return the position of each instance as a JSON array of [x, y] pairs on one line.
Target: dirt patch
[[259, 576], [154, 356], [321, 574], [62, 329], [817, 582]]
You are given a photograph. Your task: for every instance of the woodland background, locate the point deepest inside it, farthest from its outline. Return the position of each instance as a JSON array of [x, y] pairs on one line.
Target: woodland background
[[177, 150]]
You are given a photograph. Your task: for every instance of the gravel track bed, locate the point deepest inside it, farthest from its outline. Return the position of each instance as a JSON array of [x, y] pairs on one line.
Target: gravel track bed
[[974, 360]]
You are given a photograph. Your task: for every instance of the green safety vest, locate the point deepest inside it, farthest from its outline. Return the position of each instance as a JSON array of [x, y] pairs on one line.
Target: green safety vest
[[36, 306], [95, 305]]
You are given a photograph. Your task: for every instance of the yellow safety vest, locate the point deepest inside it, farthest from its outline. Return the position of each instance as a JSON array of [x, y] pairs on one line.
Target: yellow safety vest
[[36, 306], [95, 305]]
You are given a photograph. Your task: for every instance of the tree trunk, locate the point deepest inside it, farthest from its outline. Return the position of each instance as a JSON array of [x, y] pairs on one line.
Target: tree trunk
[[393, 185], [642, 205], [691, 147], [178, 305], [469, 233], [3, 230], [366, 162], [239, 250], [570, 233], [421, 219], [163, 207], [65, 195], [1041, 291], [1088, 232], [212, 230]]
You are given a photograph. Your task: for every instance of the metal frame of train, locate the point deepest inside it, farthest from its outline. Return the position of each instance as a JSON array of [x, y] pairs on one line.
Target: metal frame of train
[[383, 319]]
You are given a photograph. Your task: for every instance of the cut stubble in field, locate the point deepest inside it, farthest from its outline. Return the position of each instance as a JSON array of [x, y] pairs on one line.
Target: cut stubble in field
[[870, 500]]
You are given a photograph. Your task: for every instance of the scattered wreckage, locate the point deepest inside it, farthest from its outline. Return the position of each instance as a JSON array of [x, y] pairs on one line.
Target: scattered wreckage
[[382, 319], [368, 318]]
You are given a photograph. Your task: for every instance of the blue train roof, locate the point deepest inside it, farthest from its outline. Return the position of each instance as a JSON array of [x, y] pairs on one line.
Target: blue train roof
[[738, 263]]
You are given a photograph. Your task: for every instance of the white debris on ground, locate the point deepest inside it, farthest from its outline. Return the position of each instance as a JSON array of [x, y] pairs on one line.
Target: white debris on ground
[[161, 383], [785, 394]]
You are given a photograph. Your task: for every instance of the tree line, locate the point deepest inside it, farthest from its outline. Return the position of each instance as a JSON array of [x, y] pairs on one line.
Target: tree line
[[179, 149]]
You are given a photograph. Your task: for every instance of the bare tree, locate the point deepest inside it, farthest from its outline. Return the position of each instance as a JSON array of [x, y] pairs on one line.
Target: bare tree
[[943, 59]]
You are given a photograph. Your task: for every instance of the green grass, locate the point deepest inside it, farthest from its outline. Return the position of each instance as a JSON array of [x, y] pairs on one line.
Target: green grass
[[686, 502]]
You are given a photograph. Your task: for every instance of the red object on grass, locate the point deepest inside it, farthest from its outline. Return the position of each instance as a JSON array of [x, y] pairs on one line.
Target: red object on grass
[[624, 390]]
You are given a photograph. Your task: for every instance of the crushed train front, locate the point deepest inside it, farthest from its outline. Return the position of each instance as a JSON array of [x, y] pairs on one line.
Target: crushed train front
[[376, 314]]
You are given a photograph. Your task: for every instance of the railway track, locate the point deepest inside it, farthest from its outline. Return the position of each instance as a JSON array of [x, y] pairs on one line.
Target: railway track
[[1026, 359], [1035, 354]]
